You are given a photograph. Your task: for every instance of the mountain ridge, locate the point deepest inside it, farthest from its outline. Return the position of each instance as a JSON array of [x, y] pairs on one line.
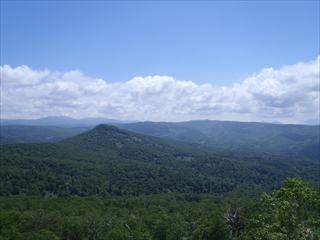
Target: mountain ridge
[[107, 160], [278, 139], [73, 122], [61, 121], [287, 140]]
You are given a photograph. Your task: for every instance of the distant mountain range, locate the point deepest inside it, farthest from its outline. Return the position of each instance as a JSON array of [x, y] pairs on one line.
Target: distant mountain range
[[277, 139], [30, 134], [61, 121]]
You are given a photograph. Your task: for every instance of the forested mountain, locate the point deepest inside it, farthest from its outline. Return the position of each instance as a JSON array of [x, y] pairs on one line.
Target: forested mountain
[[277, 139], [107, 160], [109, 183]]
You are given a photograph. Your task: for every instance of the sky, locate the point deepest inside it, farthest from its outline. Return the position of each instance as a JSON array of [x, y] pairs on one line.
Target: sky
[[161, 60]]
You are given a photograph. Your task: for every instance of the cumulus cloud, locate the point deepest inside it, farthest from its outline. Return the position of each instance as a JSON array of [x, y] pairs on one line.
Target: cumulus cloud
[[289, 94], [21, 76]]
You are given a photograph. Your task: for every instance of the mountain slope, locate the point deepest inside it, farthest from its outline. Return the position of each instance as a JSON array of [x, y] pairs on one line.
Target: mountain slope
[[107, 160], [285, 140]]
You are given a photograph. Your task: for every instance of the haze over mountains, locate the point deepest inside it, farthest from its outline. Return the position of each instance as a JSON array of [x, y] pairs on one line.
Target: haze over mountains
[[63, 121], [285, 140], [60, 121]]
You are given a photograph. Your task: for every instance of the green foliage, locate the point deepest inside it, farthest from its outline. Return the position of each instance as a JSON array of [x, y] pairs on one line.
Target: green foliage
[[165, 216], [118, 233], [291, 213], [216, 229]]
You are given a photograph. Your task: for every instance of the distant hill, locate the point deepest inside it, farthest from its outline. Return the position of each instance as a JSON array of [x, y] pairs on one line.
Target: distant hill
[[60, 121], [278, 139], [27, 134], [109, 161]]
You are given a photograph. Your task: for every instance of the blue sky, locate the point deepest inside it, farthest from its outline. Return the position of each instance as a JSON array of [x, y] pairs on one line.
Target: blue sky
[[210, 42]]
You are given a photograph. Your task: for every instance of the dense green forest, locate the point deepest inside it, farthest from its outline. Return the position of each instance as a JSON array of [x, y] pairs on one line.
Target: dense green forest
[[109, 183], [292, 212]]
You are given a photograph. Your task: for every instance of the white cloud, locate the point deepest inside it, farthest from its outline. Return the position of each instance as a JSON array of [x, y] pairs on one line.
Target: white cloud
[[289, 94], [20, 76]]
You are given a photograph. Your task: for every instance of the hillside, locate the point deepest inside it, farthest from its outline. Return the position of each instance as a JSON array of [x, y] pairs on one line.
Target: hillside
[[109, 161], [277, 139]]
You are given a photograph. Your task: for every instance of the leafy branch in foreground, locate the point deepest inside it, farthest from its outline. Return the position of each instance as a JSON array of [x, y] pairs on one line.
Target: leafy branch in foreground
[[291, 213]]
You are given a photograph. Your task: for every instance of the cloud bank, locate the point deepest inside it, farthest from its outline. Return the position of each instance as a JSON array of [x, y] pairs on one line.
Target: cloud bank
[[289, 95]]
